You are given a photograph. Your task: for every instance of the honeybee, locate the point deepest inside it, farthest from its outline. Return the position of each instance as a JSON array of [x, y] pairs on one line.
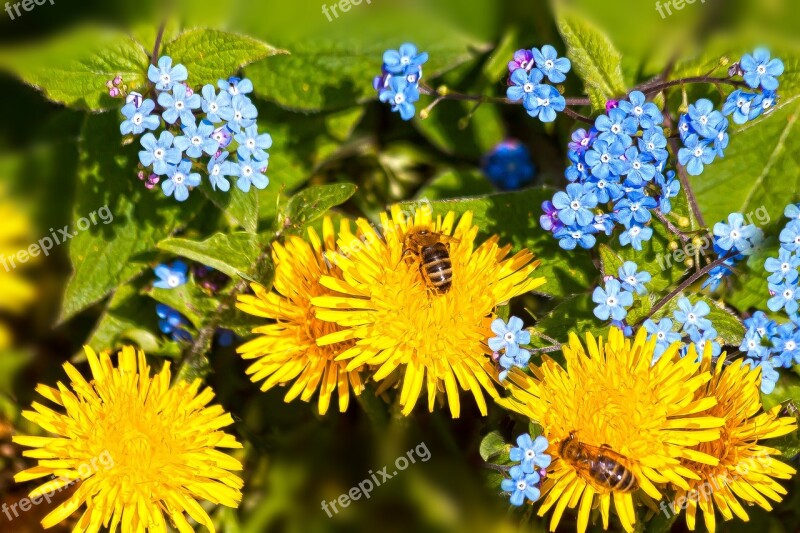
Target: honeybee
[[433, 250], [602, 466]]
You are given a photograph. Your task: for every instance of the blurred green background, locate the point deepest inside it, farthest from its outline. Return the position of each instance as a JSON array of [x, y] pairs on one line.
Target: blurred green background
[[318, 103]]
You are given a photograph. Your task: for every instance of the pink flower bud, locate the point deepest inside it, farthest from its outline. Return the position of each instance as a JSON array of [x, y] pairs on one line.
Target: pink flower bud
[[109, 84], [113, 92], [140, 175], [611, 104], [117, 80]]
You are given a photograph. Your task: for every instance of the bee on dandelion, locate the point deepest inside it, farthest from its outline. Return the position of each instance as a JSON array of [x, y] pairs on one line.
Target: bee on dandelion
[[417, 300]]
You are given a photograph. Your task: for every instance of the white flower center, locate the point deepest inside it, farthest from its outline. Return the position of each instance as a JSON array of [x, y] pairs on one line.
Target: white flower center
[[703, 120], [165, 78], [661, 335], [544, 101], [636, 165], [137, 118], [575, 205], [179, 105], [399, 98], [247, 170], [196, 140], [605, 158], [576, 234], [615, 128], [521, 485], [698, 152], [634, 231], [251, 143], [158, 153], [549, 64], [651, 146], [790, 345], [178, 178], [632, 280], [761, 69], [530, 454], [611, 301], [509, 337], [237, 115], [638, 110], [785, 267], [734, 234], [213, 107], [173, 280], [585, 141], [528, 87], [788, 293], [691, 317]]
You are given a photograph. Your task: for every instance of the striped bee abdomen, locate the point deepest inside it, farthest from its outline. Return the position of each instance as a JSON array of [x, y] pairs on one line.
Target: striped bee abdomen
[[609, 472], [437, 267]]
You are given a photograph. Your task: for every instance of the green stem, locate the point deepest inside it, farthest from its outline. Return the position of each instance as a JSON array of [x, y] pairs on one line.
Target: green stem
[[680, 288]]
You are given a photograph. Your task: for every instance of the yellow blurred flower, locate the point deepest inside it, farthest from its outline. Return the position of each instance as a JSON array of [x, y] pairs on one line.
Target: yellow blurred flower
[[15, 291], [287, 349], [138, 447], [397, 323], [609, 394], [746, 469]]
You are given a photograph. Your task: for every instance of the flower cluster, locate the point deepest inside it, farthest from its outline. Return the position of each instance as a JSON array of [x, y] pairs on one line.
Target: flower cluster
[[681, 424], [374, 313], [768, 343], [733, 241], [704, 133], [527, 71], [398, 84], [616, 298], [508, 165], [690, 325], [619, 164], [213, 124], [759, 72], [509, 337], [527, 476]]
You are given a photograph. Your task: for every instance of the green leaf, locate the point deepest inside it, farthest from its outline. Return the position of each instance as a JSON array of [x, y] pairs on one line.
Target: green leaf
[[310, 204], [234, 254], [455, 183], [492, 445], [593, 58], [189, 300], [126, 311], [610, 260], [729, 328], [210, 55], [72, 68], [332, 65], [445, 128], [105, 256], [573, 314], [301, 143], [514, 217], [241, 206], [759, 167]]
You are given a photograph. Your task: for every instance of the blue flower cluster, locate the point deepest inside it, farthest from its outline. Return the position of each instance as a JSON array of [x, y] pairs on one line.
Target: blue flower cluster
[[690, 325], [509, 337], [527, 476], [618, 164], [527, 71], [767, 343], [198, 125], [733, 240], [759, 71], [171, 322], [704, 133], [398, 84], [509, 165], [616, 298]]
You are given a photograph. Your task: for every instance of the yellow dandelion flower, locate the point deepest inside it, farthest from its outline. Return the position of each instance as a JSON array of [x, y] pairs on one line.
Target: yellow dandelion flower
[[287, 349], [398, 322], [610, 395], [15, 291], [746, 469], [138, 447]]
